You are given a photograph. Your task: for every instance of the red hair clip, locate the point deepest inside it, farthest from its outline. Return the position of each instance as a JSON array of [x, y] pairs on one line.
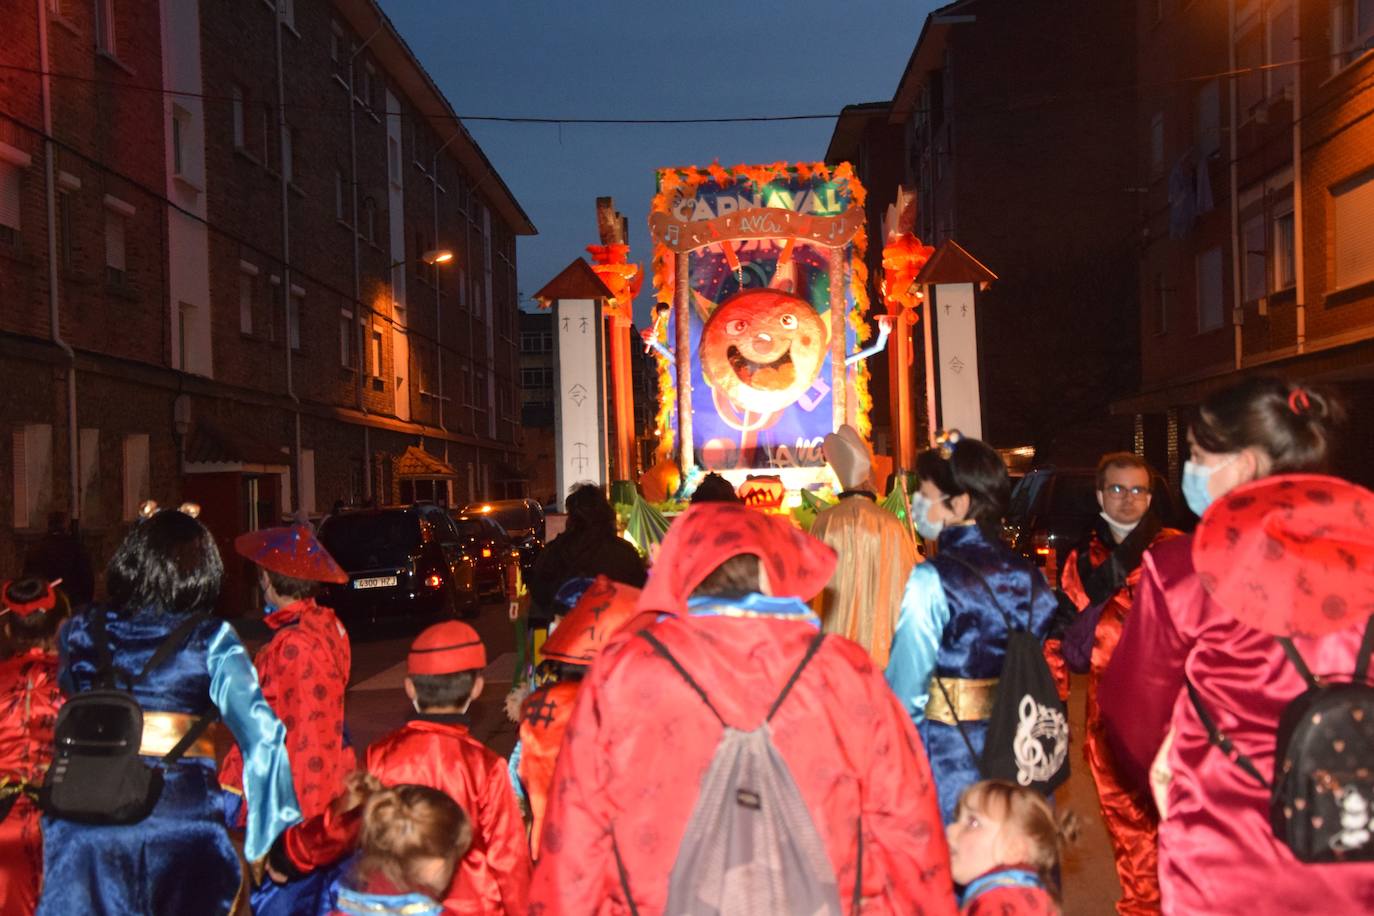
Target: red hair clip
[[45, 602], [1299, 402]]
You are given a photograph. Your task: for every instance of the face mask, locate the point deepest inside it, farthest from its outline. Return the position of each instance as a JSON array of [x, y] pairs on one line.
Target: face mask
[[1196, 477], [1121, 531], [927, 529]]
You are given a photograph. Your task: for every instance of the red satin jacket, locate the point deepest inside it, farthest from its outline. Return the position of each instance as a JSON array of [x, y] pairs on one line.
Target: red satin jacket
[[29, 700], [1217, 853], [438, 751], [303, 670], [640, 741], [543, 720]]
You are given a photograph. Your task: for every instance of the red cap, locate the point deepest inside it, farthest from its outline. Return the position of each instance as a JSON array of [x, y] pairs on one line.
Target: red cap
[[1291, 555], [601, 611], [45, 602], [447, 648], [292, 551]]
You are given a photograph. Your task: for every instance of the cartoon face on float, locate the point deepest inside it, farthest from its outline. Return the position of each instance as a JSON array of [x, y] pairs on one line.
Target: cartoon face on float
[[762, 349]]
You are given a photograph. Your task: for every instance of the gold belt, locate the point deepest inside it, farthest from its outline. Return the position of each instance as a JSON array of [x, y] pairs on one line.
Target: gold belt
[[970, 699], [162, 731]]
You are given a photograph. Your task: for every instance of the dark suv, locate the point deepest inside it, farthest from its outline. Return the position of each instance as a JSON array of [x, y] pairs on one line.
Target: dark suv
[[487, 548], [1051, 509], [522, 520], [401, 561]]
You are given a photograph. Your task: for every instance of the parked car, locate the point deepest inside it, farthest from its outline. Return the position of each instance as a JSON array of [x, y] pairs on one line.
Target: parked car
[[1051, 509], [523, 521], [401, 561], [488, 548]]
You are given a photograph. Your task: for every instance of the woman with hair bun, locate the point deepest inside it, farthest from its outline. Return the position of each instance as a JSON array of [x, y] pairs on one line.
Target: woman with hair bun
[[1282, 561], [163, 581], [951, 636], [31, 610]]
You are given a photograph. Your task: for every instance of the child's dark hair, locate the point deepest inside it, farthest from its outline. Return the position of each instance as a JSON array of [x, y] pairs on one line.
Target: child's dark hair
[[562, 671], [733, 579], [36, 628], [437, 691], [289, 586], [404, 823], [970, 466], [167, 563], [589, 510], [1048, 832], [1289, 422]]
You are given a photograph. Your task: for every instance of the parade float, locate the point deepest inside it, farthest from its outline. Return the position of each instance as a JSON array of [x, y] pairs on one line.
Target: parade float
[[760, 325]]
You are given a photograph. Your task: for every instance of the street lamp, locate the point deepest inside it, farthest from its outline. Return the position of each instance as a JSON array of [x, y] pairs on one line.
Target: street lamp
[[433, 257]]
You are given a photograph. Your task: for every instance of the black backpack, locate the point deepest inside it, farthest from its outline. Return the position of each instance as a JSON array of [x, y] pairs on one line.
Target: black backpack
[[97, 775], [1321, 803], [1028, 731]]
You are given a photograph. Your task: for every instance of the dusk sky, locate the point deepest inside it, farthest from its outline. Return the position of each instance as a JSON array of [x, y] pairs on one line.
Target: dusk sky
[[636, 59]]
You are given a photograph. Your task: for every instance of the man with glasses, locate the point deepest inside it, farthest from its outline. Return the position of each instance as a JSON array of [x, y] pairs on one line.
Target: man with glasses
[[1099, 580]]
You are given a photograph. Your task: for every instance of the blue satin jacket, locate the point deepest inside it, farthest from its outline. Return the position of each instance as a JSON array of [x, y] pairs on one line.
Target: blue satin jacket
[[950, 625]]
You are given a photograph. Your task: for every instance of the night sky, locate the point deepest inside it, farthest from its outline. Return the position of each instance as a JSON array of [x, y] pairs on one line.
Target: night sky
[[638, 59]]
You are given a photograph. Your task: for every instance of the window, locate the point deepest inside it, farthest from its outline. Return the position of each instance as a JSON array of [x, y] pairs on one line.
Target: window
[[65, 231], [1255, 262], [336, 42], [340, 197], [183, 144], [1157, 145], [376, 352], [1250, 61], [1162, 305], [1209, 290], [288, 153], [89, 476], [137, 474], [369, 220], [1281, 49], [548, 341], [393, 160], [1207, 116], [529, 342], [1352, 30], [115, 264], [295, 304], [11, 187], [1353, 218], [346, 338], [1285, 262], [238, 97], [307, 481], [365, 87], [248, 278], [105, 26], [186, 323], [32, 458]]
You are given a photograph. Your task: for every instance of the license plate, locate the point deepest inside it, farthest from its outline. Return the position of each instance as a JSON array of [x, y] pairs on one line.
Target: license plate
[[375, 582]]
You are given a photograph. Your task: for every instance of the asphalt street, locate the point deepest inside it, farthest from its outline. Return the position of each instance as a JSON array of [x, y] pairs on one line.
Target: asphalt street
[[377, 704]]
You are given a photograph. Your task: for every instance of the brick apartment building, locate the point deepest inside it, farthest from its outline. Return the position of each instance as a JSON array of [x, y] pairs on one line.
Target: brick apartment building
[[1257, 219], [233, 245], [1018, 136]]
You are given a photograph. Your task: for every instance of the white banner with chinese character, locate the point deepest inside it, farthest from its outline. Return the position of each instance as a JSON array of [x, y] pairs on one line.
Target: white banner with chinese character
[[956, 330], [580, 415]]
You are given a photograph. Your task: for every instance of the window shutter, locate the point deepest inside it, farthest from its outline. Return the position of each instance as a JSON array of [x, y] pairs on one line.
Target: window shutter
[[114, 240], [1354, 233], [10, 186], [308, 480], [137, 474], [21, 480], [90, 476]]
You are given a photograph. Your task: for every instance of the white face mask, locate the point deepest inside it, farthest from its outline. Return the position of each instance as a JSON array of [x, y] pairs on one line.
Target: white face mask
[[920, 510], [1119, 530]]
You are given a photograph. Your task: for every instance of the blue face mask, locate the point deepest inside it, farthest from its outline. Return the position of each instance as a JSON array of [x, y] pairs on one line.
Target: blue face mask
[[1196, 479], [920, 508]]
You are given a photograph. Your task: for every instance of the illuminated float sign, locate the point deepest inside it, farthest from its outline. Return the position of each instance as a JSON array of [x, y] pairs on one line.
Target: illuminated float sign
[[771, 261]]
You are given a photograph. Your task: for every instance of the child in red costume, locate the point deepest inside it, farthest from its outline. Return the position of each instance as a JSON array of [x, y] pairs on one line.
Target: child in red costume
[[303, 670], [601, 611], [30, 612], [435, 749], [1004, 847]]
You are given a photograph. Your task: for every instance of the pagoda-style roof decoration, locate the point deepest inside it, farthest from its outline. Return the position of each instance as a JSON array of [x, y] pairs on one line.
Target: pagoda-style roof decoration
[[416, 463], [577, 281], [951, 263]]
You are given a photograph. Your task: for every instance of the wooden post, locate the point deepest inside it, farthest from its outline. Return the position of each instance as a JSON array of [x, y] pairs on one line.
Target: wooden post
[[838, 319], [682, 303]]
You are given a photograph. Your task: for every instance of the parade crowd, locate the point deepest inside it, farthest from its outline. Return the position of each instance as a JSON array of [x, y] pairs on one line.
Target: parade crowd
[[764, 720]]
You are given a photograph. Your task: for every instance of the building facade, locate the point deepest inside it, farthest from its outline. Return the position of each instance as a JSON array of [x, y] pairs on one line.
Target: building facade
[[248, 257], [1257, 222]]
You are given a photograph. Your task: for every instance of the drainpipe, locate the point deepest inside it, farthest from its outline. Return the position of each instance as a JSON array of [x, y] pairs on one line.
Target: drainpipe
[[54, 302], [286, 250], [1299, 262], [361, 368], [1236, 251]]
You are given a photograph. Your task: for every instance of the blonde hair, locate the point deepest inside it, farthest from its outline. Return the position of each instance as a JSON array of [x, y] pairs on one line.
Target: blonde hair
[[404, 824], [1047, 832]]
